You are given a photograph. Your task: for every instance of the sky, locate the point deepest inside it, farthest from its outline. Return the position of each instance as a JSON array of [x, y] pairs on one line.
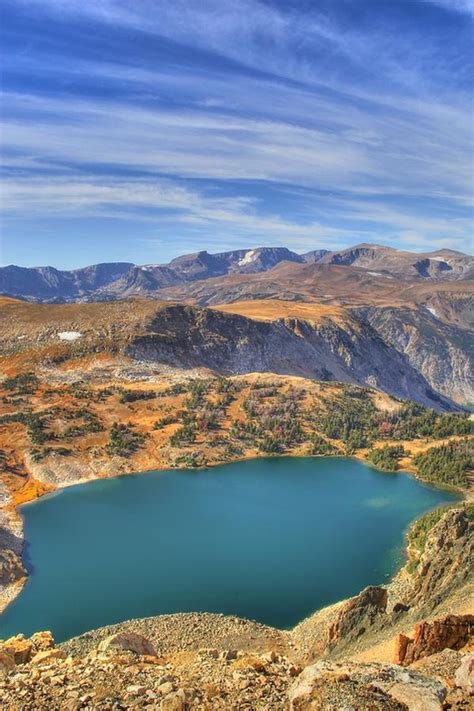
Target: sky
[[138, 130]]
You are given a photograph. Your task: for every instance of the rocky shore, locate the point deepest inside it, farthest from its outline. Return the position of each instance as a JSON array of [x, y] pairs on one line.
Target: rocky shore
[[405, 647]]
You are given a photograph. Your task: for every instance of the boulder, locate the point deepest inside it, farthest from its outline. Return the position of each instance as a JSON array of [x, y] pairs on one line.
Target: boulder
[[127, 642], [174, 702], [451, 632], [47, 655], [7, 663], [19, 647], [42, 641], [464, 676]]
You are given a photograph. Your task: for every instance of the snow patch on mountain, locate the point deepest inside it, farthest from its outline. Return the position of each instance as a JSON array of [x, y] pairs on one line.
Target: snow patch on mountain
[[69, 335], [248, 257]]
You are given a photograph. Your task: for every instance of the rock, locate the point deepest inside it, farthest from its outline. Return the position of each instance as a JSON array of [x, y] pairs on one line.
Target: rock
[[11, 566], [452, 632], [271, 657], [378, 686], [418, 699], [344, 695], [165, 688], [175, 702], [441, 666], [464, 676], [128, 641], [7, 663], [48, 655], [19, 647], [136, 690], [42, 641], [357, 615]]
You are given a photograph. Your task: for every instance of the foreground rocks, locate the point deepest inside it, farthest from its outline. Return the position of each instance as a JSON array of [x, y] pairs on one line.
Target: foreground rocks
[[114, 676], [127, 670], [328, 686]]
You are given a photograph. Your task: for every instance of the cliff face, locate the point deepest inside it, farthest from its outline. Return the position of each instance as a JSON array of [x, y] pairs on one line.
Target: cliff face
[[441, 352], [349, 351]]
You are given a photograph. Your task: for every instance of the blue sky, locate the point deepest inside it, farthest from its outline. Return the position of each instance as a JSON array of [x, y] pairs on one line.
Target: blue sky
[[136, 130]]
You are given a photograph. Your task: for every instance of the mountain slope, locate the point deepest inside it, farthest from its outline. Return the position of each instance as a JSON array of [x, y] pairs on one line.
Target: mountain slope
[[349, 351], [442, 353], [442, 264]]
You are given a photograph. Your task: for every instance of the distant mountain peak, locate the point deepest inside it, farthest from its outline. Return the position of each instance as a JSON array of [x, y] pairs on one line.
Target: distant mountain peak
[[117, 280]]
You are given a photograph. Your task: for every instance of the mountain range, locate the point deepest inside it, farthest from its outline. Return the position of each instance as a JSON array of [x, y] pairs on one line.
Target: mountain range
[[116, 280]]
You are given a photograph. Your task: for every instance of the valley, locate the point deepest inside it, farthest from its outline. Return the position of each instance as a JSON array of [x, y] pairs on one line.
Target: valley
[[315, 359]]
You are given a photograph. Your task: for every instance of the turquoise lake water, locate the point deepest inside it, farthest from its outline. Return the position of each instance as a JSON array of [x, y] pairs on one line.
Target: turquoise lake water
[[269, 539]]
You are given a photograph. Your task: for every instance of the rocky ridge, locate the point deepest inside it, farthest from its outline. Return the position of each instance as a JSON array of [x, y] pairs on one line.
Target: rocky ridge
[[121, 280], [345, 347]]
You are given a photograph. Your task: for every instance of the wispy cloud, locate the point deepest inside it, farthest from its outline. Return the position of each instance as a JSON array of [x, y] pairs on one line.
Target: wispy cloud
[[464, 6], [242, 119]]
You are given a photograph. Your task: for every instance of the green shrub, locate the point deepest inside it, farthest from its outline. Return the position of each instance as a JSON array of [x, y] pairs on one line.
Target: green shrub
[[319, 446], [447, 465], [23, 384], [134, 395], [386, 458], [124, 440]]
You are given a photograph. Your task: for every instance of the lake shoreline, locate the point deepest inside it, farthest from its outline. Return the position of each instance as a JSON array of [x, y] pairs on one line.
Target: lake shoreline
[[13, 591]]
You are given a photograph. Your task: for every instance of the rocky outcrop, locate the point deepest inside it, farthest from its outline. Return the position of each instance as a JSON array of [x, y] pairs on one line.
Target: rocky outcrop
[[11, 567], [22, 650], [452, 632], [357, 615], [444, 565]]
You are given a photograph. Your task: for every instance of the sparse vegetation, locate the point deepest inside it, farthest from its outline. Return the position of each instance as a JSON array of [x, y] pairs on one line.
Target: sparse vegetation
[[418, 534], [350, 417], [319, 446], [230, 417], [22, 384], [412, 421], [164, 421], [134, 395], [124, 440], [183, 436], [37, 454]]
